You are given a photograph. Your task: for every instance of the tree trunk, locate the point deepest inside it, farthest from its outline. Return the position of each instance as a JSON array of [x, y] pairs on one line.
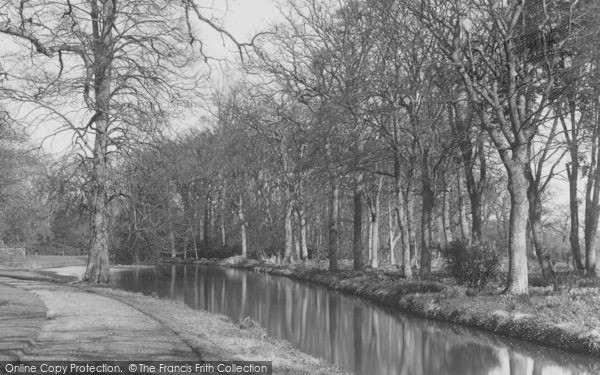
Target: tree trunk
[[289, 240], [170, 229], [207, 231], [412, 236], [334, 204], [462, 212], [97, 270], [391, 236], [222, 219], [375, 224], [240, 207], [369, 236], [535, 221], [303, 236], [517, 232], [446, 218], [357, 247], [476, 221], [573, 176], [592, 206], [426, 216], [403, 223]]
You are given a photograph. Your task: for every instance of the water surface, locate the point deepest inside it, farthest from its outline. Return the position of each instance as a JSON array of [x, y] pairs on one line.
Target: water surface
[[355, 334]]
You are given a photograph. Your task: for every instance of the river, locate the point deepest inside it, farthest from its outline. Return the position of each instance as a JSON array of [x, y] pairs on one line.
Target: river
[[357, 335]]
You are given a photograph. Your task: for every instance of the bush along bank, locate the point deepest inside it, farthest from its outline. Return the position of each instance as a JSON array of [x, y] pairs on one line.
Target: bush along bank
[[569, 320]]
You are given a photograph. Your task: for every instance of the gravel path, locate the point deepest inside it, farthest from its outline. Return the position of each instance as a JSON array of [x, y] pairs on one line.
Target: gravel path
[[22, 316], [84, 326]]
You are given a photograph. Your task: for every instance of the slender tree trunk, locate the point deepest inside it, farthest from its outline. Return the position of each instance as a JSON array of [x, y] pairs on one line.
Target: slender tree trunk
[[535, 222], [222, 219], [462, 126], [573, 176], [195, 244], [334, 204], [517, 233], [391, 235], [241, 218], [376, 212], [572, 139], [462, 212], [369, 238], [186, 242], [296, 255], [412, 236], [289, 240], [357, 247], [403, 223], [171, 231], [446, 218], [207, 235]]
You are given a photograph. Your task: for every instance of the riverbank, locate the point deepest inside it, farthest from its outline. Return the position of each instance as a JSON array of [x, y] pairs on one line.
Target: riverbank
[[137, 327], [567, 320]]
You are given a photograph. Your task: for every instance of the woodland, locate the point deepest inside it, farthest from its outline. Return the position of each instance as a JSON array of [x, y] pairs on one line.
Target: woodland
[[362, 134]]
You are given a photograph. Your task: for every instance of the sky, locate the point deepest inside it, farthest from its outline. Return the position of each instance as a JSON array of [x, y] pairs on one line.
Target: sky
[[241, 18]]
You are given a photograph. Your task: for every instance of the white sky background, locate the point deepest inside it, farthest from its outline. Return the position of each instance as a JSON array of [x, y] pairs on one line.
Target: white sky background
[[241, 18]]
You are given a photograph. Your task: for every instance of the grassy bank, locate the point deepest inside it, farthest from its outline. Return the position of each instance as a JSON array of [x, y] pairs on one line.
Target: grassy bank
[[568, 320]]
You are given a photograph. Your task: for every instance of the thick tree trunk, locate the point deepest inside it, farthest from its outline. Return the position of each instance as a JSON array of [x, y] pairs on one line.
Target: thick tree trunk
[[97, 270], [517, 233], [426, 215], [303, 235], [357, 246], [592, 207], [334, 203], [476, 220]]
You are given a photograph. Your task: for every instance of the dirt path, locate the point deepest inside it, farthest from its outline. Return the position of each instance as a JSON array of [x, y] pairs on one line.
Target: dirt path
[[91, 323], [84, 326], [22, 315]]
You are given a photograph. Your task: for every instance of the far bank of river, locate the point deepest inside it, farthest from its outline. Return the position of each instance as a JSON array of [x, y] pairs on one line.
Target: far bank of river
[[569, 320]]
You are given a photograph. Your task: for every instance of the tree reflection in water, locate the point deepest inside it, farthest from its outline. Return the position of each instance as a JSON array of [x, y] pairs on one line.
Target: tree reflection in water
[[352, 333]]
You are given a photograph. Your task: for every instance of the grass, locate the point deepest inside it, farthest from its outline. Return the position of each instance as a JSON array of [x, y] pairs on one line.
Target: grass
[[567, 319]]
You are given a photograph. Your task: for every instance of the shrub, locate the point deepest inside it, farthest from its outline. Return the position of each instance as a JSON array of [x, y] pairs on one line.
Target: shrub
[[473, 265]]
